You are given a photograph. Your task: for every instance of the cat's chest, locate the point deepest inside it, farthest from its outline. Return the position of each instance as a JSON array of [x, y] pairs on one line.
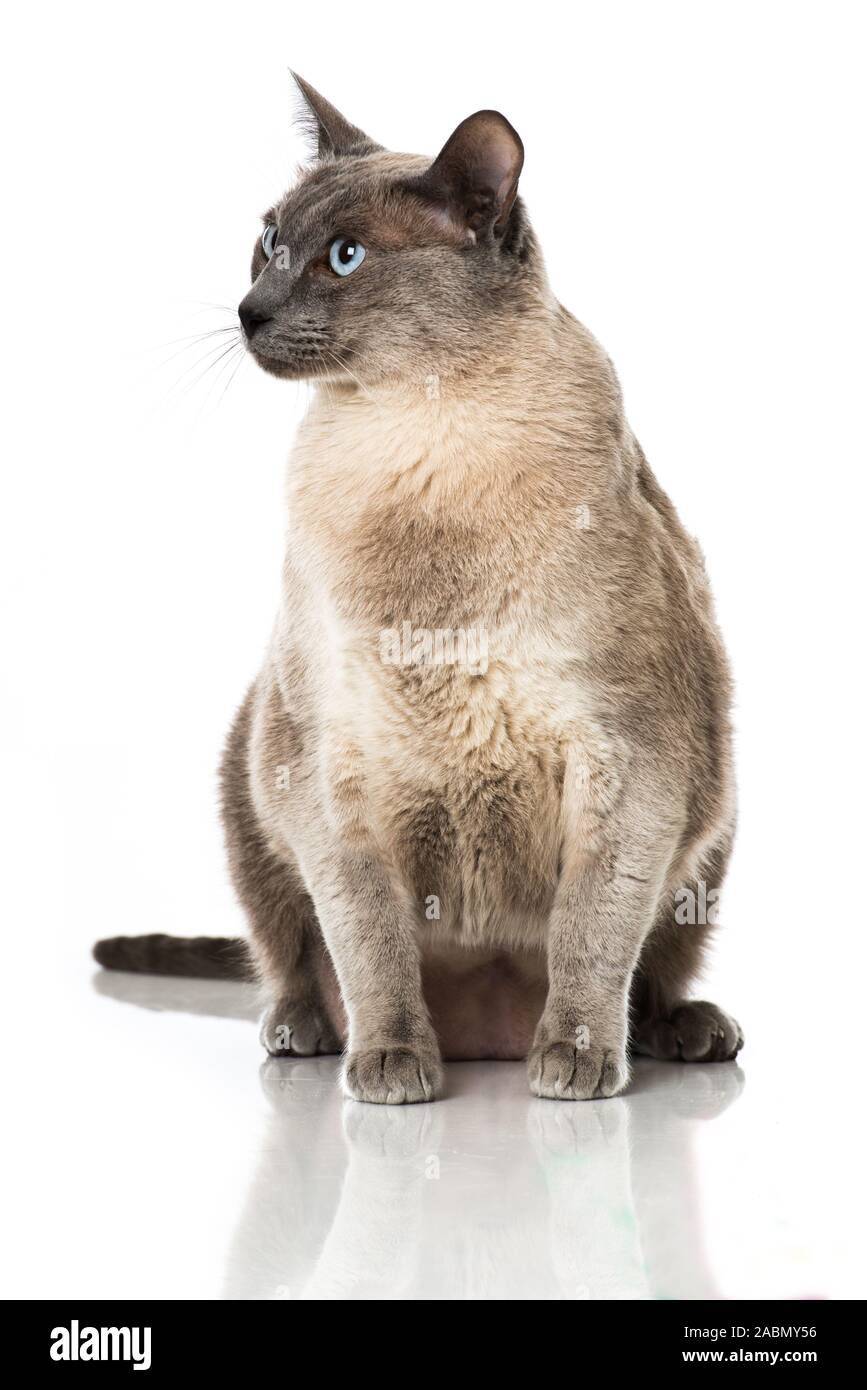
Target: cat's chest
[[398, 516], [453, 686], [450, 681]]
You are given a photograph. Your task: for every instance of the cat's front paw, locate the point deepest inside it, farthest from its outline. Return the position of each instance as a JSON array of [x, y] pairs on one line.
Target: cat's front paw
[[393, 1075], [564, 1070], [693, 1032], [297, 1028]]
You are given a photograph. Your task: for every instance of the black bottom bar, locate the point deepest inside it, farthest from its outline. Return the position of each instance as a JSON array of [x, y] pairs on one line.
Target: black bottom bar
[[71, 1338]]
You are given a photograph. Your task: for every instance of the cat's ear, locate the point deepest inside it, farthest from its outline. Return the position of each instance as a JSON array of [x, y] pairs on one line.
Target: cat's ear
[[333, 134], [474, 178]]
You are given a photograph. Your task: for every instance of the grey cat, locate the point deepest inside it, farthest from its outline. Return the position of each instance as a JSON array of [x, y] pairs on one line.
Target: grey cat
[[489, 752]]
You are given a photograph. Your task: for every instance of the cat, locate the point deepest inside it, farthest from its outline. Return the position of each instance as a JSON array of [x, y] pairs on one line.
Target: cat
[[491, 740]]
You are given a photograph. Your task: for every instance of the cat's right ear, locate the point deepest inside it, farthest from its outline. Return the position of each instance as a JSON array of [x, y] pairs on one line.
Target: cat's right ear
[[473, 182], [332, 133]]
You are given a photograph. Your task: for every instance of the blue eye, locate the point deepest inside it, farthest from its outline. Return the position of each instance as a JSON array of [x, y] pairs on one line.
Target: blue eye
[[269, 239], [345, 255]]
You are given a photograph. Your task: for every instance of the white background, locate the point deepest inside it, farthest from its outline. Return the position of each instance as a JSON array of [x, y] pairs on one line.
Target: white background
[[696, 176]]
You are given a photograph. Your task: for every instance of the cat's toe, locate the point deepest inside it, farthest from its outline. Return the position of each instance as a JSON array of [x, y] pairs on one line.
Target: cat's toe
[[695, 1031], [564, 1071], [297, 1028], [393, 1075]]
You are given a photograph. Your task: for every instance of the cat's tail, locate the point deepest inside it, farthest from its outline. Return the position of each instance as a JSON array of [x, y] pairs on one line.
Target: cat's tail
[[199, 957]]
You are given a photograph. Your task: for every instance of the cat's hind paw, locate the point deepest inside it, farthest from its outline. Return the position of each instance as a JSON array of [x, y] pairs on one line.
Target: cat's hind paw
[[693, 1032], [297, 1028]]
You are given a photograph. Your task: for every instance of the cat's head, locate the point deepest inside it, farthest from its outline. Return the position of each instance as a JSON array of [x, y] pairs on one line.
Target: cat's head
[[378, 265]]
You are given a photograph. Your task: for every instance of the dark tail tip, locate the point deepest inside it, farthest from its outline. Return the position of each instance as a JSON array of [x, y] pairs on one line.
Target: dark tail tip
[[109, 953], [198, 957]]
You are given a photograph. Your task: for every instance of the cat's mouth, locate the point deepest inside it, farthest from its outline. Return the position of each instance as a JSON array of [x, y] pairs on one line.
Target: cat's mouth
[[306, 353]]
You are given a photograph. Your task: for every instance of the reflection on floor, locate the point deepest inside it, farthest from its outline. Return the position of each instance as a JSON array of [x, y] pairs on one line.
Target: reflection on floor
[[488, 1194], [491, 1195]]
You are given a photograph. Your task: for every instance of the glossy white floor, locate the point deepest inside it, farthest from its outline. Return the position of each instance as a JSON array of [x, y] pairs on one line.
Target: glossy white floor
[[162, 1158]]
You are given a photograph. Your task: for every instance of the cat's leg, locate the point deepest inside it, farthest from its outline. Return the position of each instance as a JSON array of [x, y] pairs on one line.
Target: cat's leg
[[600, 917], [665, 1024], [393, 1057], [615, 852], [287, 944], [293, 960]]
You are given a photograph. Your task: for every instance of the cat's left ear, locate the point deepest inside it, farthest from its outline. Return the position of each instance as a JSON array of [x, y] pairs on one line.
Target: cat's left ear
[[333, 133], [474, 178]]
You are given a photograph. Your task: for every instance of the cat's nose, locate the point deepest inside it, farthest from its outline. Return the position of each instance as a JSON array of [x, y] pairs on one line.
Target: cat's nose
[[251, 318]]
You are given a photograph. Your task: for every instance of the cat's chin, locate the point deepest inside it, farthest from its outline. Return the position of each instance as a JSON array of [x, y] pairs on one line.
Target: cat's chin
[[292, 370]]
